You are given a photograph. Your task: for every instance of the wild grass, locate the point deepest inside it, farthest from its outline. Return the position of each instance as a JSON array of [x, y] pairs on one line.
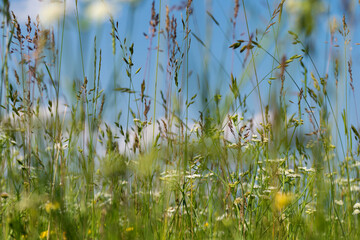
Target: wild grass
[[270, 154]]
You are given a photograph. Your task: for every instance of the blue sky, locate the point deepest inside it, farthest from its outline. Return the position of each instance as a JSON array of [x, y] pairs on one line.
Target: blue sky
[[134, 21]]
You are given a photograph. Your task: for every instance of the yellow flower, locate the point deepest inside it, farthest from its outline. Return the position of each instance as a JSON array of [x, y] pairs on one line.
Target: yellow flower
[[129, 229], [282, 200], [43, 234], [51, 206], [206, 224]]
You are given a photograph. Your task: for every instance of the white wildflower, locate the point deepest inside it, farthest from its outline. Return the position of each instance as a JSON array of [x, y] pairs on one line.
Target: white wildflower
[[356, 212], [194, 129], [356, 205], [238, 200], [122, 183], [293, 175], [170, 174], [170, 211], [310, 211], [290, 173], [264, 196], [356, 164], [220, 218], [192, 176], [208, 175], [279, 160], [233, 145], [339, 202], [270, 189], [312, 170], [355, 188]]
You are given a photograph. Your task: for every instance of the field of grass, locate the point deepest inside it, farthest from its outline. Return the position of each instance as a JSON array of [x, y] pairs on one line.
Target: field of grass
[[268, 149]]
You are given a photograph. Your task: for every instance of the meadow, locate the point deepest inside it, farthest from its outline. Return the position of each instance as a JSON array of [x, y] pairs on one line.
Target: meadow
[[233, 120]]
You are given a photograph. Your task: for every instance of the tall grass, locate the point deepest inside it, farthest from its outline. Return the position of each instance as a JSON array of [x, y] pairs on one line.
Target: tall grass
[[263, 157]]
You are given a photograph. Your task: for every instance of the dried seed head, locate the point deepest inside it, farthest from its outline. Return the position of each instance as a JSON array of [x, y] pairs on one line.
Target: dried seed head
[[188, 4], [147, 108], [165, 125], [282, 76], [18, 36], [350, 74], [300, 95], [101, 106], [4, 195], [113, 38], [333, 26], [236, 9], [167, 21], [230, 125], [154, 21], [345, 30], [173, 30], [28, 25], [17, 77], [336, 71]]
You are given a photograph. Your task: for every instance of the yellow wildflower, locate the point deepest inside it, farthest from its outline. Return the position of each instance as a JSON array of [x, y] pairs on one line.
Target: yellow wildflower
[[206, 224], [51, 206], [282, 200], [129, 229], [43, 234]]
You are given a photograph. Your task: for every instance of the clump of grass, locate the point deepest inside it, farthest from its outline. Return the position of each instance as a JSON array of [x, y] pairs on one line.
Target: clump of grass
[[202, 166]]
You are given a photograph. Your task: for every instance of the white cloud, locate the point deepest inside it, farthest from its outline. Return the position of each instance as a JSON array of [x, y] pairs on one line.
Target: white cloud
[[99, 11], [48, 11]]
